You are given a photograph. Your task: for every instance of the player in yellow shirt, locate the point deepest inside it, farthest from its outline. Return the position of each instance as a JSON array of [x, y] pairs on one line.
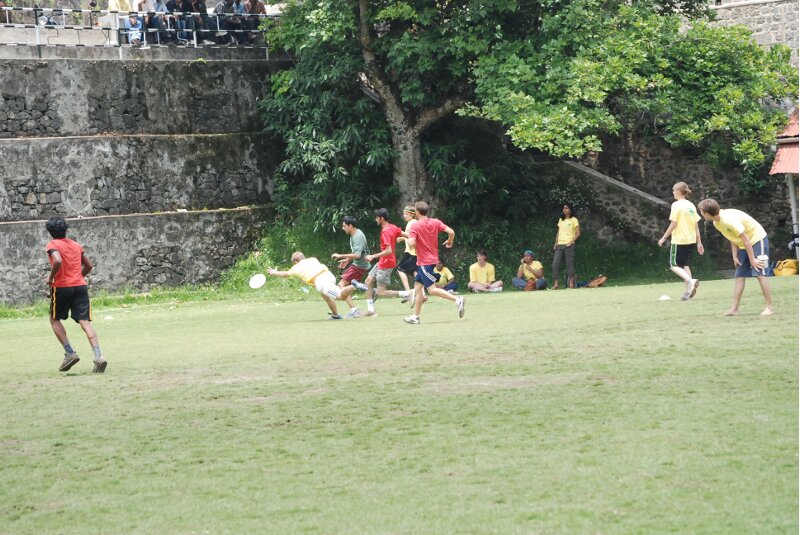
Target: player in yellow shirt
[[685, 232], [316, 274], [481, 275], [749, 249], [529, 269], [446, 279], [569, 230]]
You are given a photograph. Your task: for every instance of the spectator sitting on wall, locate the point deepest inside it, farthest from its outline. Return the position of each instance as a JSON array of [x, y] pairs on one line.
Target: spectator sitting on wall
[[225, 22], [529, 270], [134, 26], [253, 8], [202, 22], [481, 275]]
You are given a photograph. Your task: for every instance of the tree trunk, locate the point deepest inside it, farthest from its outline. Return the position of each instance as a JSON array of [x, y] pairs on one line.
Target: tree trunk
[[409, 168]]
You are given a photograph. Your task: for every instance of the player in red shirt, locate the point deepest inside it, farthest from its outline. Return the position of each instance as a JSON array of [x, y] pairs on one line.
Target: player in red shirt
[[387, 261], [424, 236], [68, 293]]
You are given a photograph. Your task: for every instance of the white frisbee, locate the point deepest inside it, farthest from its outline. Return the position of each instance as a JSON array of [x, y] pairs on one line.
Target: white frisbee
[[257, 280], [664, 298]]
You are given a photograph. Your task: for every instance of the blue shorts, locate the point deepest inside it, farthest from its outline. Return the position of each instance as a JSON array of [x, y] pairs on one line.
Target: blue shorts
[[745, 269], [426, 276]]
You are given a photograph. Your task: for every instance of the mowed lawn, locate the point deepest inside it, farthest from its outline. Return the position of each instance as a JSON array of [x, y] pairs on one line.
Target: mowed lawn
[[571, 411]]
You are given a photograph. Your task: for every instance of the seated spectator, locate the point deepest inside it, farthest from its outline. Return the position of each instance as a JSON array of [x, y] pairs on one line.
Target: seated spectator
[[238, 21], [201, 22], [254, 8], [176, 20], [529, 270], [160, 18], [446, 279], [226, 22], [134, 26], [481, 275]]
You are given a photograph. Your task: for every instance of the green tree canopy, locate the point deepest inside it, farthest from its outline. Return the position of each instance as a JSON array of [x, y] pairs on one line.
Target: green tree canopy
[[371, 78]]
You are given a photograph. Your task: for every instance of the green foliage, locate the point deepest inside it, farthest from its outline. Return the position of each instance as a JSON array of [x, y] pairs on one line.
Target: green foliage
[[602, 68]]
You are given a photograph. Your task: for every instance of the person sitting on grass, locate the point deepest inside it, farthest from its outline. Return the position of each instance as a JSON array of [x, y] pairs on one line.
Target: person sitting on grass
[[446, 279], [312, 272], [481, 275], [529, 270], [749, 249]]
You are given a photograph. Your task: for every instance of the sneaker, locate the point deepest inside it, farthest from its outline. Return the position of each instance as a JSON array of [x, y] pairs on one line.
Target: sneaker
[[353, 314], [70, 360], [374, 295], [370, 313], [360, 286], [414, 320], [99, 365], [460, 302], [220, 34], [405, 299], [208, 42], [692, 289], [686, 296], [335, 316]]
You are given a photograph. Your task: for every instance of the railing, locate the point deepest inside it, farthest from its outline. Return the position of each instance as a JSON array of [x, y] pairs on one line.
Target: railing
[[123, 29]]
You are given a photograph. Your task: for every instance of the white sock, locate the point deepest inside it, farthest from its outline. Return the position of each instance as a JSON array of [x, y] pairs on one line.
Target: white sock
[[405, 293], [370, 305]]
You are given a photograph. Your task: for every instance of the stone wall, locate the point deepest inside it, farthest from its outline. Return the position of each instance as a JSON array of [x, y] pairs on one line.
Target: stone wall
[[771, 21], [135, 251], [75, 97], [99, 175]]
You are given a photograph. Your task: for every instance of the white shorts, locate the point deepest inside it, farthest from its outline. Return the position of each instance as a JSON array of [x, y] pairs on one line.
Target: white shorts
[[325, 283]]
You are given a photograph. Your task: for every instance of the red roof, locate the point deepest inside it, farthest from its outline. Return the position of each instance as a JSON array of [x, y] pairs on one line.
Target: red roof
[[791, 128], [786, 159]]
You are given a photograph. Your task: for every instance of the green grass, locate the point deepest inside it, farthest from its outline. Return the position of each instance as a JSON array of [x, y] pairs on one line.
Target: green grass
[[574, 411]]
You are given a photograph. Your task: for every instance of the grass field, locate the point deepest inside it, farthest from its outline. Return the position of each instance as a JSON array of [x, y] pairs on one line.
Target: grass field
[[576, 411]]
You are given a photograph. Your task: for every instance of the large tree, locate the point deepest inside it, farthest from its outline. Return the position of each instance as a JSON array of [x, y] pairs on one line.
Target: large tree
[[371, 78]]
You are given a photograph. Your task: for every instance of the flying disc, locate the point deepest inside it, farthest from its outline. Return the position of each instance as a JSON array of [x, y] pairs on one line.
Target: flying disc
[[662, 298], [257, 280]]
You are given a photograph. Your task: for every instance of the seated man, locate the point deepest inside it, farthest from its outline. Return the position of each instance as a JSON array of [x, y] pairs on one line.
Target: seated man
[[446, 279], [529, 269], [481, 275]]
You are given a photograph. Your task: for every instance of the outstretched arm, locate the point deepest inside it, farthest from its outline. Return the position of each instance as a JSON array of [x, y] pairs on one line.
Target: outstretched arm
[[276, 273]]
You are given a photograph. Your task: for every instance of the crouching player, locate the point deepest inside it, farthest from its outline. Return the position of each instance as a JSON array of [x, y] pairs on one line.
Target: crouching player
[[312, 272]]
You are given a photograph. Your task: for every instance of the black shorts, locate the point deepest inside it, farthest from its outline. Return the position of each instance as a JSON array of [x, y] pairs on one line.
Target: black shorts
[[72, 300], [407, 264], [681, 255]]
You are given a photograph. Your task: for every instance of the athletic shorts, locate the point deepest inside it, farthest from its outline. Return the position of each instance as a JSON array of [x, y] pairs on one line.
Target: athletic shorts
[[325, 283], [353, 273], [408, 264], [426, 275], [747, 270], [70, 301], [681, 255], [382, 276]]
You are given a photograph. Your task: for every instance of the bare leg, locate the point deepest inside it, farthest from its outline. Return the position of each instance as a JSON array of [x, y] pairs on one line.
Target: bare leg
[[419, 298], [738, 290], [90, 332], [404, 280], [441, 292], [683, 273], [477, 287], [331, 304], [59, 331], [765, 289]]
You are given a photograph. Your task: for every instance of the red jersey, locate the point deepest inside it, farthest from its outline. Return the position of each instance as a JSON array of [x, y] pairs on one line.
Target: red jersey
[[71, 272], [389, 235], [426, 232]]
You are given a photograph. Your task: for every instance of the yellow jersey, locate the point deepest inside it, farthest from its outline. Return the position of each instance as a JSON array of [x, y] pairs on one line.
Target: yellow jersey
[[307, 270], [685, 216], [445, 275], [529, 269], [733, 223], [484, 275], [566, 230], [410, 250]]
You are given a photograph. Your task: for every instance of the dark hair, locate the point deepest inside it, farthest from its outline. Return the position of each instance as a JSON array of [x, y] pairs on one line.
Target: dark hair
[[382, 212], [482, 252], [350, 220], [57, 227], [421, 207], [571, 210]]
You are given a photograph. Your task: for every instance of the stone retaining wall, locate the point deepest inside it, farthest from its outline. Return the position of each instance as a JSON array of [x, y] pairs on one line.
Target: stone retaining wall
[[771, 21], [101, 175], [136, 251], [75, 97]]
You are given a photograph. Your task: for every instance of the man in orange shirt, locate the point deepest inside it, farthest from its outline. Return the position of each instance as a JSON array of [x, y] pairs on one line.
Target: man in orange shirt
[[68, 293]]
